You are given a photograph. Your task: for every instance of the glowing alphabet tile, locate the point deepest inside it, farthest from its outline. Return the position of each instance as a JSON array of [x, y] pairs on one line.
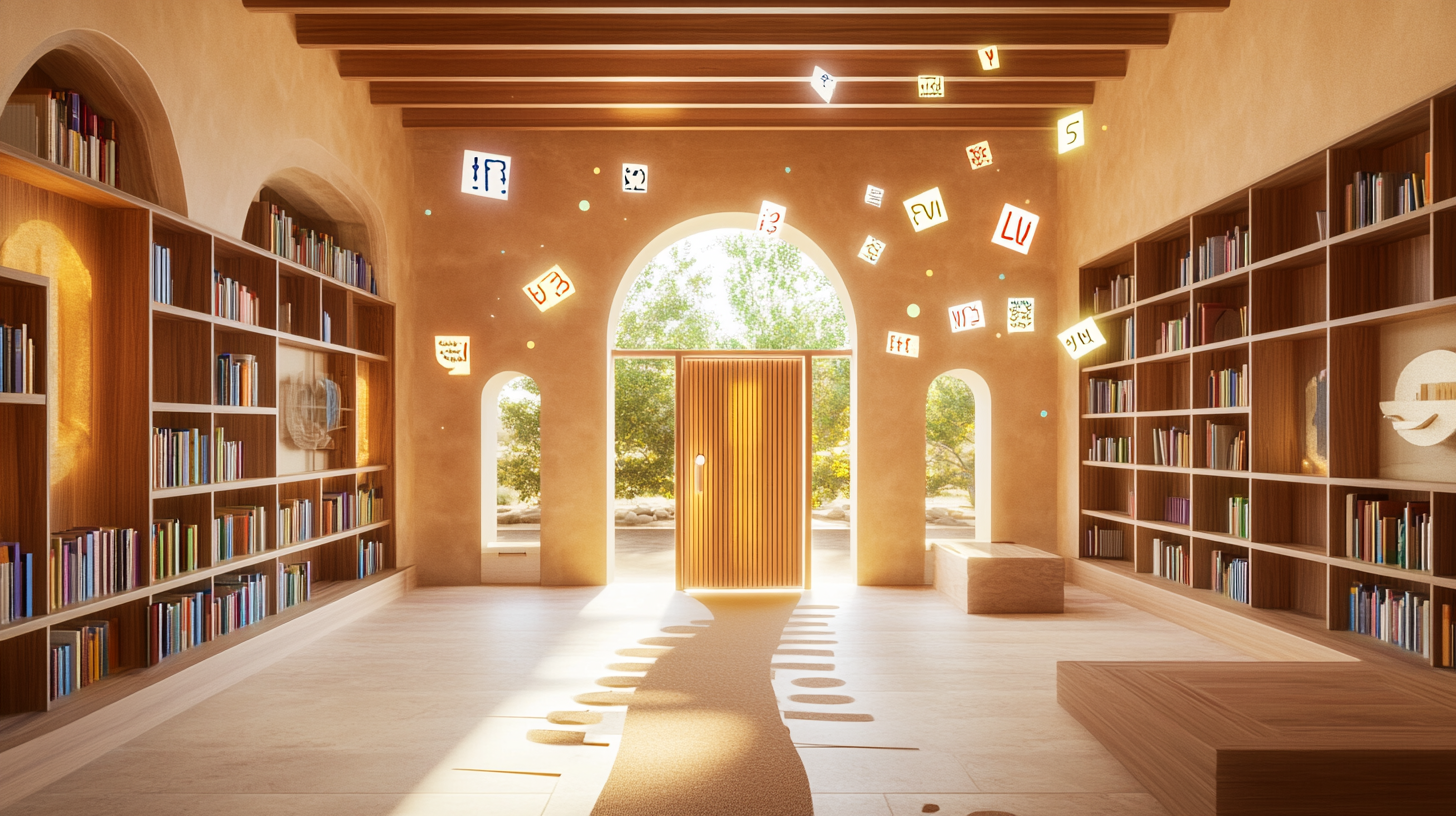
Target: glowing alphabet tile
[[1071, 132], [967, 316], [979, 154], [874, 195], [932, 87], [990, 58], [550, 289], [823, 83], [1082, 338], [926, 210], [905, 345], [871, 249], [771, 217], [1015, 229], [1020, 314], [453, 352], [634, 178], [486, 175]]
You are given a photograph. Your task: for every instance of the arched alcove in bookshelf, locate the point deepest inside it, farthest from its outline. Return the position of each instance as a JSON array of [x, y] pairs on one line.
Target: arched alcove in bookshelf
[[300, 215], [115, 87]]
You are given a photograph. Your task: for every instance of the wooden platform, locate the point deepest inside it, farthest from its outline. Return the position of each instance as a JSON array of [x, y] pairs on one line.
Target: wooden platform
[[989, 578], [1273, 739]]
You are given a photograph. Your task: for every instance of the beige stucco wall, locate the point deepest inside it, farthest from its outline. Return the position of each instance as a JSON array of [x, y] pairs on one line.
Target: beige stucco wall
[[1235, 96]]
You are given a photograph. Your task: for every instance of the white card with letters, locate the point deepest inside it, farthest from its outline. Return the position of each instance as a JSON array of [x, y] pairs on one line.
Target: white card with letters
[[453, 352], [550, 289], [1020, 314], [967, 316], [1082, 338], [1015, 229], [634, 178], [871, 249], [931, 87], [979, 154], [823, 83], [771, 217], [486, 175], [905, 345], [1071, 132], [926, 209], [990, 58], [874, 195]]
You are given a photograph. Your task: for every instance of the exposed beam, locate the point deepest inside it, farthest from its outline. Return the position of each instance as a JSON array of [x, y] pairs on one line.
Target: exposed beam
[[1050, 66], [826, 118], [716, 94], [734, 6], [733, 31]]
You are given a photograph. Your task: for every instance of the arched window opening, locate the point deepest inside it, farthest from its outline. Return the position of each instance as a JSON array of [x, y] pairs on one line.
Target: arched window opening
[[957, 457]]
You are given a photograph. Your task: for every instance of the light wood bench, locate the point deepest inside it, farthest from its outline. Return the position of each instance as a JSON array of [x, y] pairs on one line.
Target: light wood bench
[[510, 562], [988, 578]]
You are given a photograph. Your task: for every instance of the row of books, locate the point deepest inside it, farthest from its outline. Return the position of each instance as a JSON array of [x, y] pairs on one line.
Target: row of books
[[1231, 575], [1106, 396], [1102, 542], [1238, 516], [17, 359], [295, 583], [370, 504], [1172, 447], [175, 548], [1177, 510], [274, 229], [162, 274], [238, 531], [1219, 321], [183, 457], [1397, 616], [1380, 530], [1171, 561], [17, 590], [239, 600], [327, 330], [1373, 197], [1437, 391], [235, 301], [1120, 291], [1226, 446], [1174, 335], [295, 521], [89, 562], [343, 510], [62, 128], [178, 622], [1129, 338], [1229, 388], [1110, 449], [237, 379], [1221, 254], [371, 558], [79, 657]]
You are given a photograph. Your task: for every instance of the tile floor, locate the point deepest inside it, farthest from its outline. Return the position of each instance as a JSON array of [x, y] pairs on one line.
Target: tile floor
[[418, 709]]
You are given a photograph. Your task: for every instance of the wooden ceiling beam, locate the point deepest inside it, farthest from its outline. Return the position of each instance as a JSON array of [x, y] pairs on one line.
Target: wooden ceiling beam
[[715, 94], [734, 6], [825, 118], [731, 31], [668, 66]]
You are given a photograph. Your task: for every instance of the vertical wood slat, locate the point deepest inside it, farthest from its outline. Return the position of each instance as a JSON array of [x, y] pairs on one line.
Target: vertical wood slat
[[744, 528]]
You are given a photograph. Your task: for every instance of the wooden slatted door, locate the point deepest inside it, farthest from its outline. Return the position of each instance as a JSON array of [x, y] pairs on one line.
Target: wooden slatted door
[[740, 473]]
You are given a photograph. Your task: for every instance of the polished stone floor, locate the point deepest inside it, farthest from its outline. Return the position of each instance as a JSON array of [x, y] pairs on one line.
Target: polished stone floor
[[423, 707]]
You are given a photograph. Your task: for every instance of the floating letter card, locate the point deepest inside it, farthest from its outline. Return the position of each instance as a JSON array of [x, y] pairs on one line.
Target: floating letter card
[[771, 217], [1081, 338], [967, 316], [823, 83], [979, 154], [871, 249], [550, 289], [486, 174], [931, 87], [1021, 314], [1071, 132], [874, 195], [453, 352], [905, 345], [634, 178], [926, 209], [1015, 229], [990, 58]]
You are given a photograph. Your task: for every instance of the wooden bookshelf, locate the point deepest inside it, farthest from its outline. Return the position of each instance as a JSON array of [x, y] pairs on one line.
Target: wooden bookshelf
[[1355, 305], [156, 368]]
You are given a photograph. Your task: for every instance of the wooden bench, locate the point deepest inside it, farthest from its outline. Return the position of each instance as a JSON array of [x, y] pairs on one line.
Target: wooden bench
[[988, 578], [509, 562]]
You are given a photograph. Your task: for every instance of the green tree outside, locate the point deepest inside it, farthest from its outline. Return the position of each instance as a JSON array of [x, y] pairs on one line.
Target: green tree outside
[[950, 433], [518, 464]]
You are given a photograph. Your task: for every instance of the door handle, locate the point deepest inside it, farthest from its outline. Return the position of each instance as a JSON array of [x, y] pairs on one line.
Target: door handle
[[698, 463]]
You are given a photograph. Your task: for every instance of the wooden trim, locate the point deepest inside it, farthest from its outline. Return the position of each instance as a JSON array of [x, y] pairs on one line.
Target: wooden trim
[[827, 7], [825, 117]]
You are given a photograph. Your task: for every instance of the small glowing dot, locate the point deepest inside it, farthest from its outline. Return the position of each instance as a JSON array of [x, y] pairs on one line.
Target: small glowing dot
[[930, 273], [530, 344], [584, 205], [427, 212], [998, 335], [1043, 413], [913, 310], [492, 315], [1003, 277], [788, 170], [503, 252], [1028, 201], [1104, 127], [597, 170]]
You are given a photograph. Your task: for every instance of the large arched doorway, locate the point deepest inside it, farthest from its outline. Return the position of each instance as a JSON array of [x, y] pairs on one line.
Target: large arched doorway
[[958, 456], [775, 296]]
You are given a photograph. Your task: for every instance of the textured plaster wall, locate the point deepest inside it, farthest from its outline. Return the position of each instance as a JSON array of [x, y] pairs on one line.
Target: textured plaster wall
[[1235, 97], [473, 255]]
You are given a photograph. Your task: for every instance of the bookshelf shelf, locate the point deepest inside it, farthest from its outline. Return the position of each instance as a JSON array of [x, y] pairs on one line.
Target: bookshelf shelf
[[1332, 319]]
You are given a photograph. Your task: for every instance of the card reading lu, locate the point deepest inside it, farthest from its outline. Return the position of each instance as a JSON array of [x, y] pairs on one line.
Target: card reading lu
[[1020, 314], [1082, 338], [1015, 229], [550, 289], [486, 174], [453, 352], [905, 345], [771, 217], [871, 249], [926, 210], [967, 316], [823, 83], [634, 178], [979, 154]]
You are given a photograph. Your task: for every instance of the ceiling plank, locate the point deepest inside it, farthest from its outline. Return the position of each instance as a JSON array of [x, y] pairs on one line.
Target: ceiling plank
[[734, 6], [743, 32], [709, 94], [1049, 66], [825, 118]]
